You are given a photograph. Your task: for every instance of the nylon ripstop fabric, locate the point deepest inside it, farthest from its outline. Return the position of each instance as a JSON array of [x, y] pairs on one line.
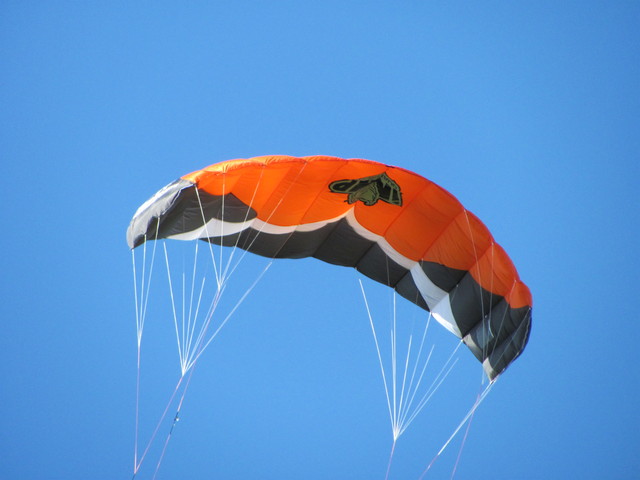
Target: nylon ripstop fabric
[[389, 223]]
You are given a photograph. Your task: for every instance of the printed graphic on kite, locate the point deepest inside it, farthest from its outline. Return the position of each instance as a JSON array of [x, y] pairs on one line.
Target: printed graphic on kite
[[369, 190]]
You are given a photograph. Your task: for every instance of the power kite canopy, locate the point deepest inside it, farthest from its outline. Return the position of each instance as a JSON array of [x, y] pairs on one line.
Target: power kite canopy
[[390, 224]]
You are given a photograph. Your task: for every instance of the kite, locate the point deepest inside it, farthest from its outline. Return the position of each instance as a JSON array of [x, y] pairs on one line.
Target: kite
[[392, 225]]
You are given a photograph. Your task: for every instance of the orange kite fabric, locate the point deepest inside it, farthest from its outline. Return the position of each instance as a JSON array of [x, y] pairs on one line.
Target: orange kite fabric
[[391, 224]]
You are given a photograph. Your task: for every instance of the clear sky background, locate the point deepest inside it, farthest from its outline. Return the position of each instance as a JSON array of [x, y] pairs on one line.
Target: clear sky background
[[528, 113]]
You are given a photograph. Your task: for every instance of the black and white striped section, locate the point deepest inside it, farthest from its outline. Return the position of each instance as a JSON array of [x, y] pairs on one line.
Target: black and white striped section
[[495, 332]]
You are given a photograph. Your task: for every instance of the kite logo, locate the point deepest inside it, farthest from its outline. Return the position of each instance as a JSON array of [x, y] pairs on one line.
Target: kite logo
[[369, 190]]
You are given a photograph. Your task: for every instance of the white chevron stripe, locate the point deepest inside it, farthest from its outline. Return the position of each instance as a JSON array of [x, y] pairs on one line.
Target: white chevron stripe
[[436, 298]]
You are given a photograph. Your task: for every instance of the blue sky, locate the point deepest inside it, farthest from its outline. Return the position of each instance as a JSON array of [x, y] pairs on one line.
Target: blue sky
[[529, 114]]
